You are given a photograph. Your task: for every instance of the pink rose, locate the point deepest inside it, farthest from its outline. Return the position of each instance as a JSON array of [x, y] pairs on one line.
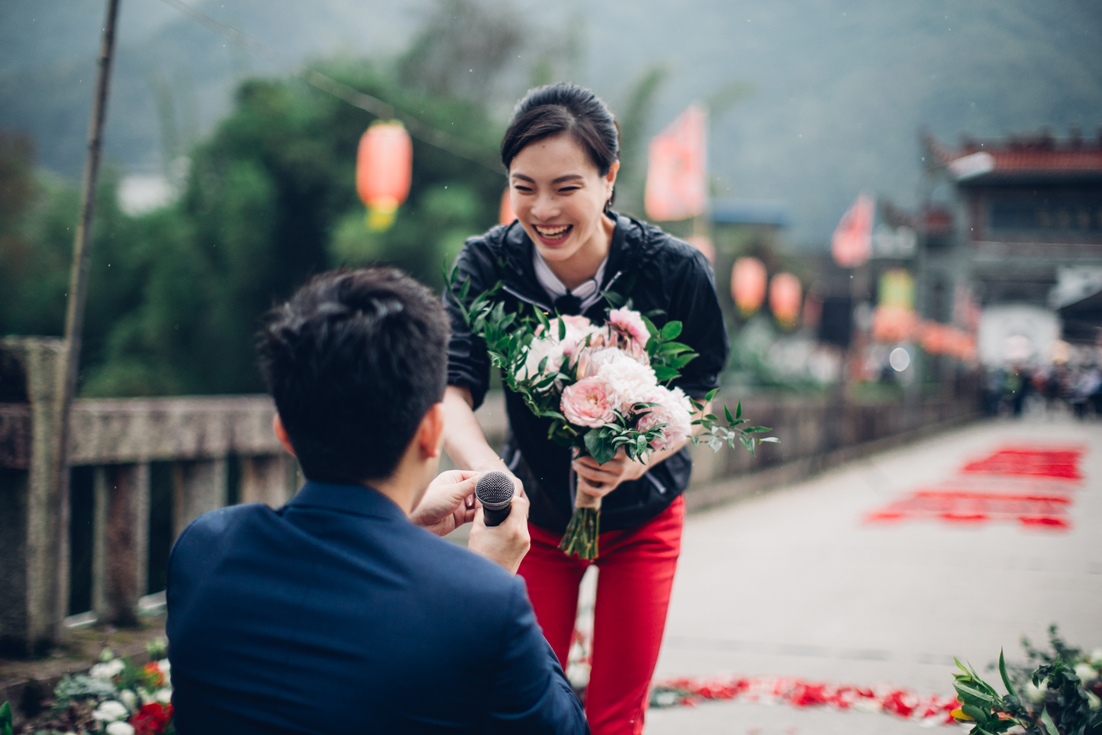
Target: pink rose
[[586, 403], [630, 323], [673, 410]]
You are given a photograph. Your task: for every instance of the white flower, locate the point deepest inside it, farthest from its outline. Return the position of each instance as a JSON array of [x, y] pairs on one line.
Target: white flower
[[166, 669], [1085, 672], [108, 670], [163, 695], [120, 728], [129, 698], [1036, 694], [674, 410], [1094, 701], [111, 711], [551, 349], [1096, 657], [627, 379]]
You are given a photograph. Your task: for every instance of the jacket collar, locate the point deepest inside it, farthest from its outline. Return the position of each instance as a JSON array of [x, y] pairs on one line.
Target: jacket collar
[[357, 499]]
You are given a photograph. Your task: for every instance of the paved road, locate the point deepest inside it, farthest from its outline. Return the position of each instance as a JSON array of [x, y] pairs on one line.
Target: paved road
[[795, 583]]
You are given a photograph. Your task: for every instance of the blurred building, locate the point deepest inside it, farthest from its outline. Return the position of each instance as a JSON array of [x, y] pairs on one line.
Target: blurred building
[[1012, 221]]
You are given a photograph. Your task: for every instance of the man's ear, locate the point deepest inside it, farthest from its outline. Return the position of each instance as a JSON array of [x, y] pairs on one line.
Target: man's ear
[[430, 434], [281, 434]]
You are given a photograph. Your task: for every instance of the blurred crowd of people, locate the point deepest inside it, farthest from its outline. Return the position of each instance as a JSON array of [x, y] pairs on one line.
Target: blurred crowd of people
[[1051, 388]]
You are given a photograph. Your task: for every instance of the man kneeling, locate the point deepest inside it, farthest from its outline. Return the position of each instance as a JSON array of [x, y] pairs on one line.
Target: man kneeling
[[336, 613]]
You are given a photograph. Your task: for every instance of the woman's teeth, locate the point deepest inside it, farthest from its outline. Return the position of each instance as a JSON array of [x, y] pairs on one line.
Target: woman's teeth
[[552, 233]]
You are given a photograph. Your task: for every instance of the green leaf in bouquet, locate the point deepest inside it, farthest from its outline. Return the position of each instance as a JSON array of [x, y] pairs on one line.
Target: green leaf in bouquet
[[728, 416], [670, 331], [542, 319], [682, 360], [769, 440], [756, 430], [738, 410], [5, 718], [664, 373], [673, 348], [747, 443], [711, 394], [562, 329], [651, 329], [1005, 676], [614, 299], [598, 446]]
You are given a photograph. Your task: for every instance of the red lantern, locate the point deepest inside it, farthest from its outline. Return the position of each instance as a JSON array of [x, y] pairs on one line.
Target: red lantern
[[784, 298], [506, 215], [748, 285], [384, 169], [704, 245]]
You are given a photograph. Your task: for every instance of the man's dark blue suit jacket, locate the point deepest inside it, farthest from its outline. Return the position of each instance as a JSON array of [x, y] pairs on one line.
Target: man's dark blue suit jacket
[[335, 614]]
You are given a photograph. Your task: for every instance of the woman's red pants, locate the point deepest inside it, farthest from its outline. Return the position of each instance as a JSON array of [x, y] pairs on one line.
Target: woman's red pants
[[633, 592]]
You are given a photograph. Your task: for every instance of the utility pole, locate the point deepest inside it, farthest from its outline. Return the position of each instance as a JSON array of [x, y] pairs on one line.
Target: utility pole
[[74, 315]]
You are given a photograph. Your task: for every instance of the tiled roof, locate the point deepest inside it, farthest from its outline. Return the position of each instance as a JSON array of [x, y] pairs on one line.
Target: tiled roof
[[1026, 157]]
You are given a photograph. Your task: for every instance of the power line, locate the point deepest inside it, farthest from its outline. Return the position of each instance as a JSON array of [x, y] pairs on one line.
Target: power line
[[373, 105]]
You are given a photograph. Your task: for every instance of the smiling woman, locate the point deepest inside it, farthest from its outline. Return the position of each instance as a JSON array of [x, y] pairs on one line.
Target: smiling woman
[[569, 252]]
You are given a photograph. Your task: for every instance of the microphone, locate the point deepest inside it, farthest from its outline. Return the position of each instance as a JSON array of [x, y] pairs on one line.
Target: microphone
[[495, 491]]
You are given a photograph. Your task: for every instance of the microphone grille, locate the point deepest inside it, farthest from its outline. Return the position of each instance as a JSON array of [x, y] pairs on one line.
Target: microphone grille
[[494, 489]]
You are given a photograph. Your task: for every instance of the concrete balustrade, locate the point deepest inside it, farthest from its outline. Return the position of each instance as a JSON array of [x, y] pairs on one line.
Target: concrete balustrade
[[223, 449]]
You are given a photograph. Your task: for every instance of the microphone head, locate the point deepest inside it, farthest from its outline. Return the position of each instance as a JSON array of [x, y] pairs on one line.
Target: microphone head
[[494, 490]]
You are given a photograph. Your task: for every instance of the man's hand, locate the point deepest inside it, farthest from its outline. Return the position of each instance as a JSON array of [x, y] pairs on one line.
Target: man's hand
[[599, 480], [506, 544], [448, 502]]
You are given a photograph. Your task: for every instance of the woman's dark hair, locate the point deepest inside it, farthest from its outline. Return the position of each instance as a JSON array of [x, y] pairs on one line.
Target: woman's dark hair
[[354, 361], [564, 108]]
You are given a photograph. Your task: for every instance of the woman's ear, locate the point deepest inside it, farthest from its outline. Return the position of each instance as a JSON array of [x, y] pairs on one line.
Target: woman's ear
[[281, 434]]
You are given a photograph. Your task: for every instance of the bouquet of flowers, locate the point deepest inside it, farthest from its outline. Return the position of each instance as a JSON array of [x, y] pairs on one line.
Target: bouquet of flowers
[[114, 698], [603, 386]]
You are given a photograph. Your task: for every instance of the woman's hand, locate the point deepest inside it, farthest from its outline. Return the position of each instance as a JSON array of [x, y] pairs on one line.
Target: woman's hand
[[598, 480]]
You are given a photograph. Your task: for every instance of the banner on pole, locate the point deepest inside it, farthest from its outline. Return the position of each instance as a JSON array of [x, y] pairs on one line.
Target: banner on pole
[[677, 177], [851, 244]]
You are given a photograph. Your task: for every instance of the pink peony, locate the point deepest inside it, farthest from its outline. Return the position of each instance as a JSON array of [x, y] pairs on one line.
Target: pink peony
[[674, 410], [630, 323], [587, 403]]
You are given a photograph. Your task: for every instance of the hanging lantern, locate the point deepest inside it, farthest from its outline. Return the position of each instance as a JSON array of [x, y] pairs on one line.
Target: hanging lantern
[[384, 168], [506, 215], [748, 285], [703, 243], [784, 298]]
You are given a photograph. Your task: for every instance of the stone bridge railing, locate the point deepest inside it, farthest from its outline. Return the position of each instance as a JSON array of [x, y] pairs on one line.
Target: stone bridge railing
[[142, 469]]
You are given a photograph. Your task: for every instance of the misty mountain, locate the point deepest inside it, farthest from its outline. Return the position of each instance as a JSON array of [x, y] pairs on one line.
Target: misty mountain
[[838, 90]]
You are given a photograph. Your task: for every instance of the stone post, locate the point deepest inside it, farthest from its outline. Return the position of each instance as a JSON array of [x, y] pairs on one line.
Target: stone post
[[30, 534], [197, 488], [264, 479], [122, 541]]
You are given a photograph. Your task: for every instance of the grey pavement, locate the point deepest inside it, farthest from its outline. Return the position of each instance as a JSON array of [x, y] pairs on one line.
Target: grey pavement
[[794, 583]]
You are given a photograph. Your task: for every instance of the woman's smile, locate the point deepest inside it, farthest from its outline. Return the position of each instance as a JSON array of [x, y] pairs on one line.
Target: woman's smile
[[552, 235]]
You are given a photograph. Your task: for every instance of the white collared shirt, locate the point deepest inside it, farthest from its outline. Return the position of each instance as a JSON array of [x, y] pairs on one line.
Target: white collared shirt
[[588, 293]]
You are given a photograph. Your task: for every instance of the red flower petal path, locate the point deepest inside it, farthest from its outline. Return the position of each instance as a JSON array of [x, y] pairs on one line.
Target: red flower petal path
[[929, 710], [980, 492]]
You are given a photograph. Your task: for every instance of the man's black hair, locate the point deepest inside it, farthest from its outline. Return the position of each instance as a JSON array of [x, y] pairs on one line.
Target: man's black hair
[[354, 360]]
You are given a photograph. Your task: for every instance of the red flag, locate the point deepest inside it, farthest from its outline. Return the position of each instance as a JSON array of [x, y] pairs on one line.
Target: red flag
[[677, 179], [851, 243]]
